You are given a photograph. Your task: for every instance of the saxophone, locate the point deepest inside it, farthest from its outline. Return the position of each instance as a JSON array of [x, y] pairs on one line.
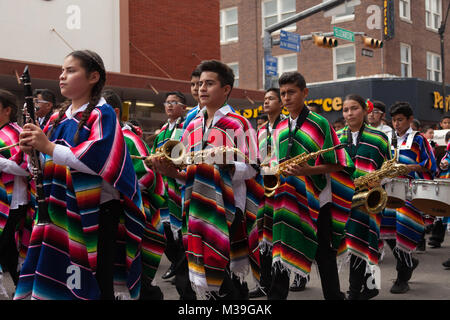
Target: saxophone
[[272, 181], [374, 199]]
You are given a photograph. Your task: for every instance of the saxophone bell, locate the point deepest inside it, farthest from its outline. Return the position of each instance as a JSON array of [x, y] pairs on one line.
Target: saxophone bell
[[371, 201]]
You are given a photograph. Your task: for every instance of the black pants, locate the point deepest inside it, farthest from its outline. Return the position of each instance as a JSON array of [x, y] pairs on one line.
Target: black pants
[[357, 275], [172, 246], [326, 262], [9, 255], [403, 267], [438, 231], [110, 213], [266, 270], [182, 282]]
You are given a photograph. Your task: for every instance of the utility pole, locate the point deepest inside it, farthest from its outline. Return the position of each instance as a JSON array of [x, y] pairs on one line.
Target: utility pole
[[267, 42], [441, 31]]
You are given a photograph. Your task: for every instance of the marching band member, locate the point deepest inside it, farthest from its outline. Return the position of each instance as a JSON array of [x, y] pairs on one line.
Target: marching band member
[[90, 185], [15, 212], [308, 223], [444, 173], [403, 228], [152, 189], [368, 148], [195, 77], [272, 108], [221, 200]]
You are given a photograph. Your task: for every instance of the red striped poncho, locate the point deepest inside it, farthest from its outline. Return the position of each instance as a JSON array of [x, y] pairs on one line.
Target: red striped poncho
[[209, 207]]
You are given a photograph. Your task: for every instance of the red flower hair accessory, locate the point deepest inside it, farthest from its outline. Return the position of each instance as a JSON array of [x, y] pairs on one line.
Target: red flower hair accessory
[[369, 106]]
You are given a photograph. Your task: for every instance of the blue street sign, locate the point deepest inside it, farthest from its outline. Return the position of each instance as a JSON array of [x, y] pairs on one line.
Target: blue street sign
[[271, 66], [289, 41]]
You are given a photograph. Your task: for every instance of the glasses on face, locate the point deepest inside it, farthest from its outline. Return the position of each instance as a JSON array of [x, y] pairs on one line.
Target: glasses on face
[[377, 112], [37, 101], [173, 103]]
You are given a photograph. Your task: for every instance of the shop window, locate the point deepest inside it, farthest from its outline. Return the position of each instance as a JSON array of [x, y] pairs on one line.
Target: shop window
[[344, 62], [229, 25], [434, 67], [405, 60]]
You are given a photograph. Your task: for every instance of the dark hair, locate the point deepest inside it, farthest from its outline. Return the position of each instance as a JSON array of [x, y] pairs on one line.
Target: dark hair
[[445, 116], [7, 99], [224, 72], [196, 73], [263, 117], [315, 106], [90, 62], [47, 95], [277, 92], [426, 128], [293, 77], [113, 99], [379, 105], [339, 120], [417, 123], [358, 99], [447, 136], [403, 108], [178, 94]]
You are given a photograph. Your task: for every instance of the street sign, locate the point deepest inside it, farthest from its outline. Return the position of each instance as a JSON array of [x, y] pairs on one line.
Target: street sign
[[344, 34], [367, 53], [271, 66], [289, 41]]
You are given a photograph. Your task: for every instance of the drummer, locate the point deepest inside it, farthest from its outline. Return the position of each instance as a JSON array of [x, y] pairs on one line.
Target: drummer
[[445, 174], [407, 222]]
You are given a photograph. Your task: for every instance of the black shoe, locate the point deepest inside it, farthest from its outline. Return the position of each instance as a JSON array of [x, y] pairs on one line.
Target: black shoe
[[169, 273], [368, 294], [400, 287], [299, 283], [258, 292], [415, 263], [434, 244], [446, 263], [421, 247]]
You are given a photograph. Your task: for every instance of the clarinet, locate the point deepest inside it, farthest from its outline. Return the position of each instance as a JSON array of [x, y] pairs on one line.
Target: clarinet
[[37, 172]]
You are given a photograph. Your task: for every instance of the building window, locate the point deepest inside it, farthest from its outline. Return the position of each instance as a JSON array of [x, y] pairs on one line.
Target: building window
[[433, 14], [287, 63], [229, 25], [274, 11], [405, 9], [405, 60], [235, 67], [434, 67], [344, 62], [347, 14]]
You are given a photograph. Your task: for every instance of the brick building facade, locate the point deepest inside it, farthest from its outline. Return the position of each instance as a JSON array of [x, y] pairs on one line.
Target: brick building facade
[[413, 51]]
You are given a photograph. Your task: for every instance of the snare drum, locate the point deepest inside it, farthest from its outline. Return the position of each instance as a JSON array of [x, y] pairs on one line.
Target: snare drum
[[431, 196], [397, 191]]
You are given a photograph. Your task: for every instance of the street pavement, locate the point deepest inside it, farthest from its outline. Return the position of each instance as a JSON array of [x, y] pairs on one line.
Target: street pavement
[[430, 280]]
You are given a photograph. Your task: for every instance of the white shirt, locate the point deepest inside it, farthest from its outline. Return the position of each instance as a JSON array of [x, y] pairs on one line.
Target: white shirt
[[386, 129], [401, 139], [62, 155], [19, 195], [243, 171]]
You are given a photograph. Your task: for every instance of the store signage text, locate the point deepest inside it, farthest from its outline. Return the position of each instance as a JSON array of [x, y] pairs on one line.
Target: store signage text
[[438, 101]]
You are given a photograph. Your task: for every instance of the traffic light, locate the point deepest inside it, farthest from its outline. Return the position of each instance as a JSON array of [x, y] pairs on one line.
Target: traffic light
[[324, 42], [372, 43]]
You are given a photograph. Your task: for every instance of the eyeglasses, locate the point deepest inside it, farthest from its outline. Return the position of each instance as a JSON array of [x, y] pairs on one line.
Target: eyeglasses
[[377, 111], [37, 101], [173, 103]]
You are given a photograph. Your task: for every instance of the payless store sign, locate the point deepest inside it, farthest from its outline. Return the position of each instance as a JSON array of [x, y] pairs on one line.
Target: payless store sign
[[438, 101], [327, 104]]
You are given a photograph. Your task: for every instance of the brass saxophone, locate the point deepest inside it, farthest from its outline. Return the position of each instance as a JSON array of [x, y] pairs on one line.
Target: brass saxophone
[[272, 181], [374, 199], [175, 152]]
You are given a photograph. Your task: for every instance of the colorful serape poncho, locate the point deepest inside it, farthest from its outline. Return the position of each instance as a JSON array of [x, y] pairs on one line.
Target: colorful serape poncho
[[445, 174], [264, 220], [152, 187], [209, 208], [172, 210], [62, 257], [406, 224], [297, 202], [363, 229]]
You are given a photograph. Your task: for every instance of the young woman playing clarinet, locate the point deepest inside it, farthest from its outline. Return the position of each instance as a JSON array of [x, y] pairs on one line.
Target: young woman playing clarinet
[[90, 184]]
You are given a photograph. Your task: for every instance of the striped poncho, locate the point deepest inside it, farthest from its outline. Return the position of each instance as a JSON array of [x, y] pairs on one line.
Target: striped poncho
[[152, 187], [297, 202], [406, 224], [363, 229], [62, 258], [264, 219], [172, 211], [9, 135], [209, 207], [445, 174]]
